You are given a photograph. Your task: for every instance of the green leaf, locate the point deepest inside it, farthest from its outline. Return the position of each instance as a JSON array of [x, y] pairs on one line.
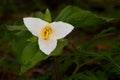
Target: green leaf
[[16, 28], [47, 16], [61, 43], [79, 17], [32, 55], [38, 56], [29, 51], [19, 42], [33, 39], [38, 15]]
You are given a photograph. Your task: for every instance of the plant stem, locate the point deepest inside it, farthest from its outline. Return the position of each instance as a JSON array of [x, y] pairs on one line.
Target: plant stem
[[57, 68], [79, 66]]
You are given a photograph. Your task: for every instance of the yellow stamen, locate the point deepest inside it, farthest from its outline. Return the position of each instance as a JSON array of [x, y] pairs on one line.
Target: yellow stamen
[[45, 32]]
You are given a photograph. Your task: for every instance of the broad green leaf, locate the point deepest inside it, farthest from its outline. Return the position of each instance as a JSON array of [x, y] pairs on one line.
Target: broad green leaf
[[19, 42], [79, 17], [29, 51], [38, 56], [33, 39], [31, 58], [60, 45], [38, 15], [47, 16], [16, 28]]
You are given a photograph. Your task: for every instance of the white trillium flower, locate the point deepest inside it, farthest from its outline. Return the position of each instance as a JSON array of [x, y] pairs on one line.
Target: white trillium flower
[[47, 33]]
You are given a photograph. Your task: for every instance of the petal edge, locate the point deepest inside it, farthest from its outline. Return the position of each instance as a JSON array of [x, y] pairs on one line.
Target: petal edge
[[47, 46], [61, 29], [34, 24]]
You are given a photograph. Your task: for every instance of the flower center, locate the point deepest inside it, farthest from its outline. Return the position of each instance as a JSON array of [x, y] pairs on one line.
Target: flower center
[[46, 31]]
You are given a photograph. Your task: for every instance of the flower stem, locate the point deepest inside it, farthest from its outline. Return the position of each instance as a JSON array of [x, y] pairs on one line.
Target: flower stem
[[57, 68]]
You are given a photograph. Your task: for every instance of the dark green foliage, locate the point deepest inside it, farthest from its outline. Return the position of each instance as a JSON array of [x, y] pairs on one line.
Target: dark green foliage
[[79, 17], [90, 52]]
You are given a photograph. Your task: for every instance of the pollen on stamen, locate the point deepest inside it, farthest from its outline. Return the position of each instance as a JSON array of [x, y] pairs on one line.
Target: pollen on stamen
[[46, 32]]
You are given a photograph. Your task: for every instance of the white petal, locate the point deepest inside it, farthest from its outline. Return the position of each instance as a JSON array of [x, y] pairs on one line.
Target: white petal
[[34, 25], [61, 29], [47, 46]]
